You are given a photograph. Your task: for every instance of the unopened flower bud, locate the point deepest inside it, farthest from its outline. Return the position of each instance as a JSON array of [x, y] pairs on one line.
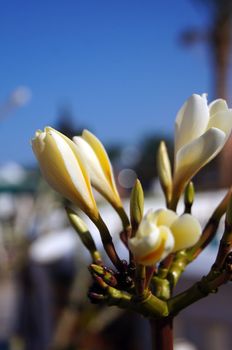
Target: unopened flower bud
[[164, 171], [136, 204], [189, 197]]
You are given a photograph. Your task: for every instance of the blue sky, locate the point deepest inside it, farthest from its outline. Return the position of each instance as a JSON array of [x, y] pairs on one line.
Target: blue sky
[[117, 64]]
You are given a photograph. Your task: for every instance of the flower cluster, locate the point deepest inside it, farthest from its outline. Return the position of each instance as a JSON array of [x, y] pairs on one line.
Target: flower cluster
[[72, 167]]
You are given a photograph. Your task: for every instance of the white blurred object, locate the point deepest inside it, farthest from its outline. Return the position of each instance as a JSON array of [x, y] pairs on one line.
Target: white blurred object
[[54, 246], [7, 206], [17, 98], [12, 173], [130, 155], [20, 96], [127, 177], [182, 344], [54, 221], [8, 307]]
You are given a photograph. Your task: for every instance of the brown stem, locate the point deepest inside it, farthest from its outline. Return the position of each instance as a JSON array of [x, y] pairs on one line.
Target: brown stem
[[162, 333], [165, 265], [108, 244], [210, 229]]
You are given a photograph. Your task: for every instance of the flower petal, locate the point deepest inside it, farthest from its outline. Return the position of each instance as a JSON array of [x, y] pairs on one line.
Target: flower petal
[[193, 156], [166, 217], [141, 246], [154, 247], [101, 155], [186, 231], [94, 169], [192, 120], [218, 105], [222, 120]]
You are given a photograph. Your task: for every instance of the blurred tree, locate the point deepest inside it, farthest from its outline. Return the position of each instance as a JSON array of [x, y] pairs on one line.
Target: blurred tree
[[218, 35], [65, 123]]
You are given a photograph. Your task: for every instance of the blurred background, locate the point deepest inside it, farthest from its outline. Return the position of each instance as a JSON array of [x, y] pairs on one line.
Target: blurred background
[[121, 69]]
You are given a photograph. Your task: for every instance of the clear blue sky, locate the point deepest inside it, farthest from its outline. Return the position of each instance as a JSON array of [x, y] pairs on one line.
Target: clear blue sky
[[118, 64]]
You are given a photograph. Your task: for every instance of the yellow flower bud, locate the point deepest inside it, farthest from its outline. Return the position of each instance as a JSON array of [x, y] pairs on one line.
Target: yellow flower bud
[[164, 171], [62, 168], [136, 203], [189, 195]]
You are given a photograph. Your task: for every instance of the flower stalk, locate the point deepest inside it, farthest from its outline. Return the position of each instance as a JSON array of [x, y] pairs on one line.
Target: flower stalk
[[161, 243]]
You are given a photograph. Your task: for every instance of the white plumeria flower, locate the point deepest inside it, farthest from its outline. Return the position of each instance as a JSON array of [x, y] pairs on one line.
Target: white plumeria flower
[[201, 132], [97, 163], [63, 169], [162, 232]]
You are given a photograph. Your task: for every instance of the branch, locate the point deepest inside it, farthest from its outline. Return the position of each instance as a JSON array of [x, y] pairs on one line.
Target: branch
[[105, 291], [220, 273], [184, 257], [207, 285]]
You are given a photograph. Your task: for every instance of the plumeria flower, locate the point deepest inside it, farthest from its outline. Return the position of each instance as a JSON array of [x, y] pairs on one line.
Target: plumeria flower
[[62, 167], [201, 132], [162, 232], [97, 163]]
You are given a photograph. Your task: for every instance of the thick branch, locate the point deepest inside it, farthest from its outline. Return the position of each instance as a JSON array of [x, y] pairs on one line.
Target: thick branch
[[183, 258], [199, 290]]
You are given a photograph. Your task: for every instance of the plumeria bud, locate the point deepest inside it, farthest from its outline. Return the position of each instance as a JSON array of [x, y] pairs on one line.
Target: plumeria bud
[[63, 169], [99, 270], [136, 204], [97, 163], [164, 171], [189, 195], [162, 232], [105, 274], [201, 132]]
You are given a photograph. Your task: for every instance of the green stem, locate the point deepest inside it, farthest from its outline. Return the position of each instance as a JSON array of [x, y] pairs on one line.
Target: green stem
[[147, 305], [199, 290], [140, 279], [123, 216], [184, 257]]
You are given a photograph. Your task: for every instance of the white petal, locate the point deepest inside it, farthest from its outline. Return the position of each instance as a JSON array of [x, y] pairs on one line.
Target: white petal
[[148, 224], [92, 164], [169, 242], [153, 248], [186, 231], [193, 156], [191, 121], [102, 156], [222, 120], [141, 246], [99, 167], [72, 165], [218, 105], [145, 228], [166, 217]]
